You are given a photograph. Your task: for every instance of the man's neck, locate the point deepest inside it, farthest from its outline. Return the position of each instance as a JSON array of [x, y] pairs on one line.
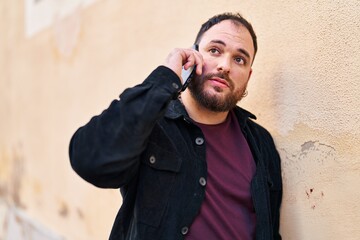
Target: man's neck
[[200, 114]]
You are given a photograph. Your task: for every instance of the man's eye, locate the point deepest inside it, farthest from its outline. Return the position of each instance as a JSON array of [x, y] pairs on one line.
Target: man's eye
[[214, 50], [240, 60]]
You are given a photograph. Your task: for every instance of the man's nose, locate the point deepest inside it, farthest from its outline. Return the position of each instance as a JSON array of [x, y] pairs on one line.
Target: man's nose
[[224, 64]]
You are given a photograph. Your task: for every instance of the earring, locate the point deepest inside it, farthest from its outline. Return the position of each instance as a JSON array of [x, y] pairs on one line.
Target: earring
[[245, 93]]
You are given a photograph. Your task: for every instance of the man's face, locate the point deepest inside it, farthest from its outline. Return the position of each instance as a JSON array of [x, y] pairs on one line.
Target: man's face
[[228, 51]]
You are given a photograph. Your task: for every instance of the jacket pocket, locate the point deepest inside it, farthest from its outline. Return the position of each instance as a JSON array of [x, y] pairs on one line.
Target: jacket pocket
[[158, 171]]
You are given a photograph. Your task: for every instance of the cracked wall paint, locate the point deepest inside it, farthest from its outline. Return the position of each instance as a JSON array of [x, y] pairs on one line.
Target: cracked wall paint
[[16, 224], [313, 163], [317, 186]]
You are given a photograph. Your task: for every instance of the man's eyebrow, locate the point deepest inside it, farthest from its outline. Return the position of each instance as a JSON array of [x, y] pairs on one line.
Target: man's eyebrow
[[243, 51]]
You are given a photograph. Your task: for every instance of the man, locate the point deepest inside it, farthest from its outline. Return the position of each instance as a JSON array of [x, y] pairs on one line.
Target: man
[[190, 165]]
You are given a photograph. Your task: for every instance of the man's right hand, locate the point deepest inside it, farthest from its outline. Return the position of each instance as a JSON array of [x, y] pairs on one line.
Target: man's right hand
[[184, 57]]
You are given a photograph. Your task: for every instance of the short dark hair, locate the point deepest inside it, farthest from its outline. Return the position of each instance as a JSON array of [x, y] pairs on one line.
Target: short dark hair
[[234, 17]]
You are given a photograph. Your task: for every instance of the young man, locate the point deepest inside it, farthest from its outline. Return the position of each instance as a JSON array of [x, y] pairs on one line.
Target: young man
[[192, 164]]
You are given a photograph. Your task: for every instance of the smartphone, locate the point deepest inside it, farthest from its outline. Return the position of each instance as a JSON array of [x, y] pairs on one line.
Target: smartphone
[[187, 75]]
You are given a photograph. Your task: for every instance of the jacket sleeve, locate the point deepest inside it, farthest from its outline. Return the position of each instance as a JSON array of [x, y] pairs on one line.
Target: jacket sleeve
[[106, 151]]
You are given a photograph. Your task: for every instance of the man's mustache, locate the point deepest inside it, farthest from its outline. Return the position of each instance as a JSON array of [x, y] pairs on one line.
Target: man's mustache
[[224, 76]]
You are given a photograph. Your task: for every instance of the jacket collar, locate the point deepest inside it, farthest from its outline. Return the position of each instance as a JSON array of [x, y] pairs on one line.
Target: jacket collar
[[177, 110]]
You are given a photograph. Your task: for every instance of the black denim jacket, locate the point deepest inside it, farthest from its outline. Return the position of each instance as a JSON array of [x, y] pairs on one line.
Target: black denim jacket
[[146, 145]]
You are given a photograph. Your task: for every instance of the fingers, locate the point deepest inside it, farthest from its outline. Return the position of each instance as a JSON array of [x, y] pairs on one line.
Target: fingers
[[194, 58], [184, 57]]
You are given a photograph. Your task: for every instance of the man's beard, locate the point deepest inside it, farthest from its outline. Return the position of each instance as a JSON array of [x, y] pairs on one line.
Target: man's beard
[[215, 102]]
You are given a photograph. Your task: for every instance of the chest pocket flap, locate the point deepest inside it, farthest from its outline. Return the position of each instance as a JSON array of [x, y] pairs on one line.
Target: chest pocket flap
[[161, 159]]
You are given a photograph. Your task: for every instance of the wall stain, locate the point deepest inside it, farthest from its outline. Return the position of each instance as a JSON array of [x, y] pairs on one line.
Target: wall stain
[[314, 197], [17, 174], [64, 210], [66, 32], [80, 213], [12, 171]]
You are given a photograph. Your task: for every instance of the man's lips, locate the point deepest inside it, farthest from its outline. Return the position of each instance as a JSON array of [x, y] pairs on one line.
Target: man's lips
[[219, 82]]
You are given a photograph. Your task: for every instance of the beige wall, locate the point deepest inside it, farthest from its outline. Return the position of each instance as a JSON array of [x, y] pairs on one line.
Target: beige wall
[[305, 89]]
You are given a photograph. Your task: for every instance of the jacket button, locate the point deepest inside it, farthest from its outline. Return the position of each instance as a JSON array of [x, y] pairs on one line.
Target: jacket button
[[199, 141], [152, 159], [186, 120], [202, 181], [176, 86], [184, 230]]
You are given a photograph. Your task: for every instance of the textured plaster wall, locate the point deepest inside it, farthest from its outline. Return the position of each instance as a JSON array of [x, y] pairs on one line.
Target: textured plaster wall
[[304, 89]]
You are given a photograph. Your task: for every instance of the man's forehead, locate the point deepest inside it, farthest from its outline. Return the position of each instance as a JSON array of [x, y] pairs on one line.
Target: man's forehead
[[231, 33]]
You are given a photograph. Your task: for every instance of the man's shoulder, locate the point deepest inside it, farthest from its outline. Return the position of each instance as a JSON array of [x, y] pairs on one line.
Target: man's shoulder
[[248, 120]]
